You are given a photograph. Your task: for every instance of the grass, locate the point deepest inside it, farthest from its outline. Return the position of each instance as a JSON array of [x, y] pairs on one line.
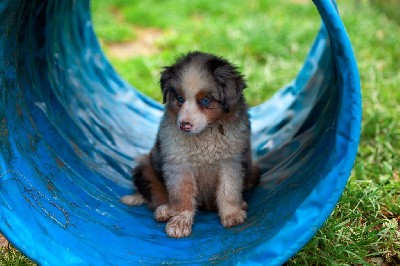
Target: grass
[[268, 41], [9, 256], [390, 7]]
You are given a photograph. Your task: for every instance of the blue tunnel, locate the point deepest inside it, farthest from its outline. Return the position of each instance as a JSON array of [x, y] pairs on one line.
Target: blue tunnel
[[71, 129]]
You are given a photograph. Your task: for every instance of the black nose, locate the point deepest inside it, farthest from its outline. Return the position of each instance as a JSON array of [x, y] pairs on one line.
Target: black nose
[[186, 126]]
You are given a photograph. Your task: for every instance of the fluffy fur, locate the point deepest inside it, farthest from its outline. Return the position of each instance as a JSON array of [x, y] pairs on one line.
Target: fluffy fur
[[201, 157]]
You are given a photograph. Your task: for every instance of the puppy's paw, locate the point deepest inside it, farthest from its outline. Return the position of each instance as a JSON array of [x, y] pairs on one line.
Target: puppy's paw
[[180, 225], [163, 213], [133, 200], [234, 217]]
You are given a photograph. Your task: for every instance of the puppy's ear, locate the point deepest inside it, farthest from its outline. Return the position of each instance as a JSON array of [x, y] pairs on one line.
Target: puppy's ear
[[231, 82], [166, 76]]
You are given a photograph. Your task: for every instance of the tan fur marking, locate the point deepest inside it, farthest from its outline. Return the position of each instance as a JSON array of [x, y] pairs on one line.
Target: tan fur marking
[[213, 112], [202, 94], [159, 194], [182, 198]]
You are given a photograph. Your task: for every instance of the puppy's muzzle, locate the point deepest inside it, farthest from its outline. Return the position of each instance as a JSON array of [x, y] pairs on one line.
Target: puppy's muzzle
[[186, 126]]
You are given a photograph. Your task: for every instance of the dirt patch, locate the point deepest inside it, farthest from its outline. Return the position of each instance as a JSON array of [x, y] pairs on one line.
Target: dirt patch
[[396, 176], [144, 44], [3, 241]]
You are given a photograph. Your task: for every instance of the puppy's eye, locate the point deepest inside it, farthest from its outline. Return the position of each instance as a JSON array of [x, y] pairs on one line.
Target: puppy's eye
[[205, 102], [180, 99]]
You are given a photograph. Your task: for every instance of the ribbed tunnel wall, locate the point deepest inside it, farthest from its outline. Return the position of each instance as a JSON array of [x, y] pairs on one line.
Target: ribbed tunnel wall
[[71, 130]]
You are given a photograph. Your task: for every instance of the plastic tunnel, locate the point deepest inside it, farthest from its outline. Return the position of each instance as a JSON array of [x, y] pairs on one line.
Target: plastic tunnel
[[71, 129]]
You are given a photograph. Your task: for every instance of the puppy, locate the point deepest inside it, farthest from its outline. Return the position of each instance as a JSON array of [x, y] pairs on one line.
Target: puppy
[[201, 158]]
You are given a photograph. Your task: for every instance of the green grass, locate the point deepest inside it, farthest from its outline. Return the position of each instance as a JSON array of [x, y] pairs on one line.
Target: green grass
[[390, 7], [9, 256], [268, 41]]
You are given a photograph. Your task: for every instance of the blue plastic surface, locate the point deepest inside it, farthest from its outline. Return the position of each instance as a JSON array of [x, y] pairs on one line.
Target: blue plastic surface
[[71, 130]]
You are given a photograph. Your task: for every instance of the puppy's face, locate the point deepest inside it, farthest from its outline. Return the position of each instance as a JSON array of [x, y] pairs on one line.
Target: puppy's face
[[200, 89]]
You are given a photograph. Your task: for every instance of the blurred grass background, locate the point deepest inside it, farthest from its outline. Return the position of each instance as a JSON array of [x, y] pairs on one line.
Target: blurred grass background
[[390, 7], [268, 41], [256, 35]]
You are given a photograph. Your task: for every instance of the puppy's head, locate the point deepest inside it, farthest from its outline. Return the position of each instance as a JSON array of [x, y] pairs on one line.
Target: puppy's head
[[200, 89]]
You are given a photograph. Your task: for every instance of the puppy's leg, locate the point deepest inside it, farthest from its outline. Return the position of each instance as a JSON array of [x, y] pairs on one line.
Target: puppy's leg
[[182, 192], [231, 207], [150, 189]]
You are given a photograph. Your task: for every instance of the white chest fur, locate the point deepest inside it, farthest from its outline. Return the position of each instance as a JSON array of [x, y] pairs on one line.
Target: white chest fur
[[220, 141]]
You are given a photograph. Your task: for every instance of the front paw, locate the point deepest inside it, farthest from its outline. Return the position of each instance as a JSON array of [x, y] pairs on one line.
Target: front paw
[[234, 217], [180, 225], [163, 213]]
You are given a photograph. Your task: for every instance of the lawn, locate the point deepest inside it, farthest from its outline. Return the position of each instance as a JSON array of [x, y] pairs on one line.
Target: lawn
[[268, 41]]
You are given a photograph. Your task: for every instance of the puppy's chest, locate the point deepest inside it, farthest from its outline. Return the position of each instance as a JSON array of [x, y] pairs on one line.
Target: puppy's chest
[[215, 144]]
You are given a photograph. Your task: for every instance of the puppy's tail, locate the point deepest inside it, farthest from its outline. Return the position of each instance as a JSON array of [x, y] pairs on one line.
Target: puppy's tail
[[253, 177], [149, 187]]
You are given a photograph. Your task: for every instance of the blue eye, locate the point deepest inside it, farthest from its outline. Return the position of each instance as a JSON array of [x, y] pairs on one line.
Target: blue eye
[[205, 102], [180, 99]]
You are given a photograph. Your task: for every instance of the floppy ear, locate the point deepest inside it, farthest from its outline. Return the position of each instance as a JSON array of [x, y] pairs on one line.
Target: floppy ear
[[232, 84], [166, 76]]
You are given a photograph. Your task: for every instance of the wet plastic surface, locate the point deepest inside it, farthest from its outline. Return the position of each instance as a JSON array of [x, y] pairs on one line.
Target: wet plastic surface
[[71, 130]]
